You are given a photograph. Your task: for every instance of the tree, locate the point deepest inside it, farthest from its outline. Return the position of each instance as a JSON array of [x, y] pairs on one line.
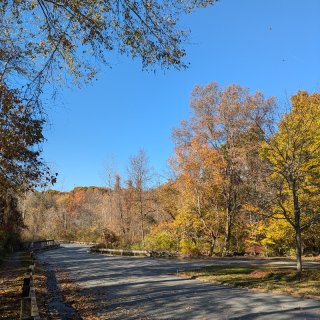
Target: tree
[[41, 39], [21, 168], [139, 173], [293, 155], [123, 203], [219, 145], [200, 216], [167, 197], [10, 221]]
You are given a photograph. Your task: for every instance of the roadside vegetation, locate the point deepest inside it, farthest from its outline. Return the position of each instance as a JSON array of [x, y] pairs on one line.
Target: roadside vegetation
[[270, 279]]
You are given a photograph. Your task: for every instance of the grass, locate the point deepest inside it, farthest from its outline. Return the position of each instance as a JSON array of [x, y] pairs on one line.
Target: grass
[[270, 279]]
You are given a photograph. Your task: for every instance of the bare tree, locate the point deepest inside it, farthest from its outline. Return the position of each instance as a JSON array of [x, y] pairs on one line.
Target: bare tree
[[140, 174]]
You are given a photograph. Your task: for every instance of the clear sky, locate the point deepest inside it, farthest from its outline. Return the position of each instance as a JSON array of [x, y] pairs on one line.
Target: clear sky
[[272, 46]]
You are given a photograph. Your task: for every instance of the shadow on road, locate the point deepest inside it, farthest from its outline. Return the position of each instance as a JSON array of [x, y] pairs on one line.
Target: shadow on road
[[147, 288]]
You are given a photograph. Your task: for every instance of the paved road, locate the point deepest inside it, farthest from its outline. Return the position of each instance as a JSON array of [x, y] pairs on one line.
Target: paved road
[[146, 288]]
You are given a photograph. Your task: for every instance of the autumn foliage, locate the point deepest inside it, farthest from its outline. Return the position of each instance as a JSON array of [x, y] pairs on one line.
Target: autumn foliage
[[243, 184], [21, 167]]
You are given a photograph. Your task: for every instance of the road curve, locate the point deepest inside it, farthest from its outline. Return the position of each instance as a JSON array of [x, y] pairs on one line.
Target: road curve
[[146, 288]]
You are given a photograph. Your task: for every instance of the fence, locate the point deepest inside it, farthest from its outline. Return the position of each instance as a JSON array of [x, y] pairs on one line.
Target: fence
[[29, 308], [38, 245], [122, 252], [77, 242]]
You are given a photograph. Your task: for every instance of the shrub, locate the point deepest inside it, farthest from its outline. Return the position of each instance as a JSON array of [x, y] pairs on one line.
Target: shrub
[[187, 246], [110, 238], [9, 241], [160, 241]]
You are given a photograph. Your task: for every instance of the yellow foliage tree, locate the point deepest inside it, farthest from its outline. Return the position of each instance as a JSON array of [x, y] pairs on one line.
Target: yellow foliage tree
[[293, 155]]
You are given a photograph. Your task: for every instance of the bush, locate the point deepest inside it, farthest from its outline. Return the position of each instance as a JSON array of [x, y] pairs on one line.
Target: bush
[[187, 246], [137, 246], [110, 239], [100, 246], [160, 241], [9, 241]]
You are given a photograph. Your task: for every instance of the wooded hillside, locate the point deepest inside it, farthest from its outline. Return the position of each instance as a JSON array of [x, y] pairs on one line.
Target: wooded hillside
[[88, 213]]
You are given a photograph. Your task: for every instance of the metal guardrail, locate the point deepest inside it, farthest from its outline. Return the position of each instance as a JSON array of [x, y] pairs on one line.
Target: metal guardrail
[[77, 242], [38, 245], [29, 308], [122, 252], [128, 252]]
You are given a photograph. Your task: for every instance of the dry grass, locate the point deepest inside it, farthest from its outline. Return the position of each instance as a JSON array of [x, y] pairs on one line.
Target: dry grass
[[275, 279]]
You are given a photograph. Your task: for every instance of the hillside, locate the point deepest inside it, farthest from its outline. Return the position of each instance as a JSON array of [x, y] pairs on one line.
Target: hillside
[[88, 213]]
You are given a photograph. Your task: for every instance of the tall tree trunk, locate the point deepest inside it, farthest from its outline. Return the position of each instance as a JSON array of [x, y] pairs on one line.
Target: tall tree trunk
[[142, 230], [298, 250], [227, 231], [141, 217], [64, 219], [297, 228], [212, 243]]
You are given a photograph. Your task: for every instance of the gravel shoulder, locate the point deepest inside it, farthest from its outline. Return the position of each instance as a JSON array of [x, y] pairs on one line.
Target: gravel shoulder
[[147, 288]]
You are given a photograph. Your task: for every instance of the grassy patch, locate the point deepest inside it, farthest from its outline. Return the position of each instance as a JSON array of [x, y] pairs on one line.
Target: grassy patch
[[274, 279]]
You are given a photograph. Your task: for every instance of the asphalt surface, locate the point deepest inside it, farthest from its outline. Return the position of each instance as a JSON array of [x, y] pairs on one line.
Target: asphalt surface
[[148, 288]]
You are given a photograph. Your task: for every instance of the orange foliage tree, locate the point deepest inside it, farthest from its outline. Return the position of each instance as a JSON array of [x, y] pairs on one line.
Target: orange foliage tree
[[216, 153]]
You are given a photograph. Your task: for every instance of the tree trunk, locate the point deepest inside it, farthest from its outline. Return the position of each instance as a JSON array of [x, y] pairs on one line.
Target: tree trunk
[[298, 250], [142, 221], [212, 244], [142, 230], [227, 232], [297, 228], [65, 220]]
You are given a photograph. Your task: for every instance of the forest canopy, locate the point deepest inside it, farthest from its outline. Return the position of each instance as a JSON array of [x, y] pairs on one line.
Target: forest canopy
[[43, 41]]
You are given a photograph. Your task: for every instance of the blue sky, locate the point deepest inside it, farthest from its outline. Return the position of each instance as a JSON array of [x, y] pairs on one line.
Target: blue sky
[[272, 46]]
